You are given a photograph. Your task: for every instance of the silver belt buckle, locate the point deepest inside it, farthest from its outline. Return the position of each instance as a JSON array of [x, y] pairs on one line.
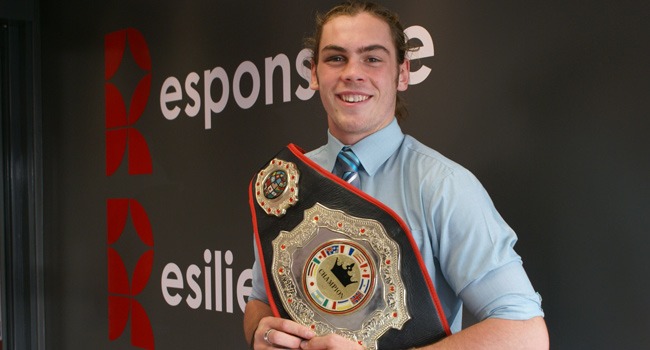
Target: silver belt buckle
[[337, 273]]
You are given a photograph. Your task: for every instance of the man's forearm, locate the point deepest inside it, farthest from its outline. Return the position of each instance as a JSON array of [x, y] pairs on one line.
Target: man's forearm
[[488, 334], [255, 311], [498, 334]]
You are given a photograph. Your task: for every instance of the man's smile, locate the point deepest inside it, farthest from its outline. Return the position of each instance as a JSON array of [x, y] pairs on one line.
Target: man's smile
[[351, 98]]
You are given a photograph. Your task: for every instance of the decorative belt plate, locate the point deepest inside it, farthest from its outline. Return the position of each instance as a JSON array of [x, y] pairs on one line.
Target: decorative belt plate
[[276, 187], [340, 274]]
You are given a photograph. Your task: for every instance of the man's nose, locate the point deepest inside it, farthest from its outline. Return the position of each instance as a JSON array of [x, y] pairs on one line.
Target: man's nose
[[353, 71]]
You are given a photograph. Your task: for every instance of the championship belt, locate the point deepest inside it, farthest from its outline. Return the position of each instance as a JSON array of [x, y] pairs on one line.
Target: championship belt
[[339, 261]]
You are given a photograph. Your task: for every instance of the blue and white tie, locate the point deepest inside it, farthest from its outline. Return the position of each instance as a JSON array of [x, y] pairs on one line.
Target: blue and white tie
[[347, 166]]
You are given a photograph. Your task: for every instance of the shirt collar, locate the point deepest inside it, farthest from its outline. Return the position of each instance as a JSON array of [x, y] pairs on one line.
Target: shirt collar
[[373, 150]]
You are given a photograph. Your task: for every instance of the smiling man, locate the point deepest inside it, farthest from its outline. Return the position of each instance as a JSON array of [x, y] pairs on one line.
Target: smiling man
[[358, 76], [360, 64]]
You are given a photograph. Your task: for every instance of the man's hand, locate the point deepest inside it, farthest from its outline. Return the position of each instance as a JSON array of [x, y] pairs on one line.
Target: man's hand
[[279, 333], [330, 342], [267, 332]]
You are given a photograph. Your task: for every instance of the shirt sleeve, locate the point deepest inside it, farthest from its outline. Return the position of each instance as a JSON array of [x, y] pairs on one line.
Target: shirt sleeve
[[504, 293], [259, 290], [476, 252]]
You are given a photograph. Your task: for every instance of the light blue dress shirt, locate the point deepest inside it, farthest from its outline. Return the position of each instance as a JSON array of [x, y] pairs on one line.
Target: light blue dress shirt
[[466, 246]]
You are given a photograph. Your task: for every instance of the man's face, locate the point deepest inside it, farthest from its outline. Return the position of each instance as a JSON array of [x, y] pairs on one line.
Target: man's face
[[358, 76]]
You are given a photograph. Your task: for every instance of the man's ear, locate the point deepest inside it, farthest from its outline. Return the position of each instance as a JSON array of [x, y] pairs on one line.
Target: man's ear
[[314, 77], [404, 75]]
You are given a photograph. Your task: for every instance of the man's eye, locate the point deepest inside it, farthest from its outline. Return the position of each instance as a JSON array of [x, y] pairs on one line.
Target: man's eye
[[334, 59], [373, 59]]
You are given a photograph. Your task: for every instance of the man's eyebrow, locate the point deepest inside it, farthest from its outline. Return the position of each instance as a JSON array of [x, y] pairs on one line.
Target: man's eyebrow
[[363, 49], [333, 48], [373, 48]]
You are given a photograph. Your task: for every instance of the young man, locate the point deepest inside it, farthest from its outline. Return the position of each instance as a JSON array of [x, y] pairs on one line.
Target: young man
[[359, 66]]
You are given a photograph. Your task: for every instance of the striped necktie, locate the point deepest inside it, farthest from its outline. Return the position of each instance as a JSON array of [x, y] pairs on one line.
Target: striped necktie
[[347, 166]]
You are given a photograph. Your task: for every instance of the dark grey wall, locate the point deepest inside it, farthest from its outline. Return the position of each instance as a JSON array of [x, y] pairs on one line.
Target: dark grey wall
[[544, 102]]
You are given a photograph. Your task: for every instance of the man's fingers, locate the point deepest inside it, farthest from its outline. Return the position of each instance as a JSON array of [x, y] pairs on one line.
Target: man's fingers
[[287, 326], [281, 339], [330, 341], [282, 333]]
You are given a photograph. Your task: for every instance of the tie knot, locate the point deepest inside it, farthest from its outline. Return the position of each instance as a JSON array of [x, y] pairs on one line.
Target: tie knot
[[348, 166]]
